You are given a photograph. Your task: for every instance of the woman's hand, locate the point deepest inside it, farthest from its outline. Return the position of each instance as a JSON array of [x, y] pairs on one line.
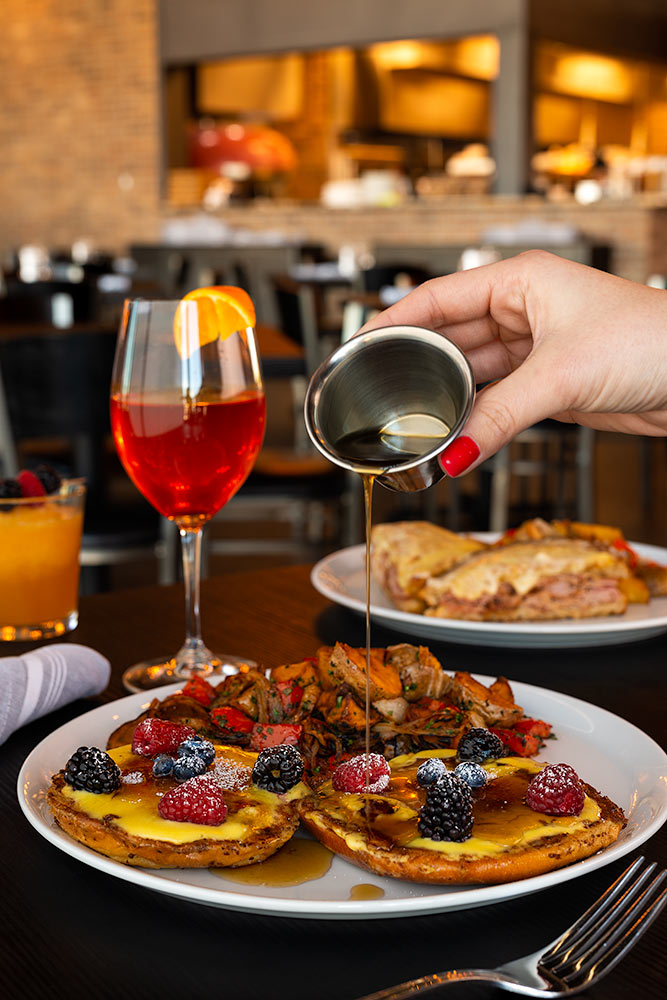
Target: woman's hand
[[564, 340]]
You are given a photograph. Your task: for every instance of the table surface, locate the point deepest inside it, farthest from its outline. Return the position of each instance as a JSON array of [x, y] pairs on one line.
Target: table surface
[[68, 930]]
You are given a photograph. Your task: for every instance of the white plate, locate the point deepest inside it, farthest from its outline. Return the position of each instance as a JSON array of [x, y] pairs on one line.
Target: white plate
[[341, 576], [608, 752]]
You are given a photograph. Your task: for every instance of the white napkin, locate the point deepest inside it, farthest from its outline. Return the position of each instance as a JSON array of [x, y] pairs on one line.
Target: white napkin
[[45, 679]]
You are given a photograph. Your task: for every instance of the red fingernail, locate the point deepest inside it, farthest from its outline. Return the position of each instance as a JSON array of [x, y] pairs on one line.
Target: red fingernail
[[459, 456]]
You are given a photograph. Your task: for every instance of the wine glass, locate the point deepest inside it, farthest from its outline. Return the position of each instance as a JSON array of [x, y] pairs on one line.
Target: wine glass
[[188, 415]]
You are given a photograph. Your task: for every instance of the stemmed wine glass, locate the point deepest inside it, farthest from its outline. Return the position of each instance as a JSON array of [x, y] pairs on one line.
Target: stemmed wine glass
[[188, 416]]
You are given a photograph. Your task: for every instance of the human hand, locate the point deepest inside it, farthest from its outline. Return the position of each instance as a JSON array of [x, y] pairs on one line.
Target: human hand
[[564, 340]]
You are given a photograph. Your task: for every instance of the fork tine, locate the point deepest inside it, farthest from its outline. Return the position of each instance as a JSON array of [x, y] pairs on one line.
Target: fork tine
[[607, 954], [623, 911], [604, 942], [580, 927]]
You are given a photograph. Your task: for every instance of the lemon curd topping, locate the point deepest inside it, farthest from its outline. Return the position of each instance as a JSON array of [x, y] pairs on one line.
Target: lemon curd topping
[[133, 807], [502, 820]]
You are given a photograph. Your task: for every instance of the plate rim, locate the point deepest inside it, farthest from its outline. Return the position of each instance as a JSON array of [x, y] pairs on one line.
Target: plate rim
[[439, 902], [559, 629]]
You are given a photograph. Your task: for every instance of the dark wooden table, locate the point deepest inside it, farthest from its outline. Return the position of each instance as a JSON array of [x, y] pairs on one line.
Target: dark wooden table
[[67, 930]]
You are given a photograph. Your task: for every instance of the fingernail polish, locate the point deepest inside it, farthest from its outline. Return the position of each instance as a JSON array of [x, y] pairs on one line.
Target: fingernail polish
[[459, 456]]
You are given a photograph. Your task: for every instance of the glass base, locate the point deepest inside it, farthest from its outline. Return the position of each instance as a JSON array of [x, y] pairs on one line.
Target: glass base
[[41, 630], [156, 673]]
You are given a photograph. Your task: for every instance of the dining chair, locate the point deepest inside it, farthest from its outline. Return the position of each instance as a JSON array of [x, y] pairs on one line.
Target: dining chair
[[56, 396]]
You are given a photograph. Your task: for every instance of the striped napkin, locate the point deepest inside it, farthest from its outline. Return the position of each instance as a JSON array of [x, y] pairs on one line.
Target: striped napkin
[[38, 682]]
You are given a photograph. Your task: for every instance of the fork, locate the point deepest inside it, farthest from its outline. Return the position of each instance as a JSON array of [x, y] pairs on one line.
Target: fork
[[584, 953]]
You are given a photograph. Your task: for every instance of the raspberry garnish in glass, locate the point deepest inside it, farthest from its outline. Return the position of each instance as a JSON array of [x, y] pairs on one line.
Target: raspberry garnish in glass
[[188, 415]]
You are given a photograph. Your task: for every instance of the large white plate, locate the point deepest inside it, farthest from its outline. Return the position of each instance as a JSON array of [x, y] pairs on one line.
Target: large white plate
[[608, 752], [341, 576]]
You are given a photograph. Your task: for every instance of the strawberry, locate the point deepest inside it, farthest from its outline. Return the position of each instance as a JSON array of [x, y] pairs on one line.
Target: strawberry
[[232, 721], [199, 800], [30, 484], [153, 736], [556, 790], [200, 690], [272, 735], [351, 775]]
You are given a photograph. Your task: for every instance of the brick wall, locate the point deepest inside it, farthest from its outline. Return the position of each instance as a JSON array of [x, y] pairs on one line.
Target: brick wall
[[79, 108]]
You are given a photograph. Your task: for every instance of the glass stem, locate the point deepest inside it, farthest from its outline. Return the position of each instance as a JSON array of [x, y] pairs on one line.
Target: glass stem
[[191, 549]]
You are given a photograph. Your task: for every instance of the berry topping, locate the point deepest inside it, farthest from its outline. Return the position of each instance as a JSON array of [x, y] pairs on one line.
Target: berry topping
[[92, 770], [429, 772], [277, 769], [470, 772], [163, 765], [30, 484], [447, 812], [201, 748], [479, 745], [10, 489], [351, 775], [199, 800], [154, 736], [49, 478], [556, 790], [188, 766]]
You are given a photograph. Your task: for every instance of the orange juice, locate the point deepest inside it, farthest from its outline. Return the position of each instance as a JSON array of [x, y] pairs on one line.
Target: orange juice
[[40, 540]]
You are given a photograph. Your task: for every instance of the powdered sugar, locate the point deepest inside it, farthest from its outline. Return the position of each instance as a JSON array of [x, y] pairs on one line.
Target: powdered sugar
[[132, 778], [230, 775]]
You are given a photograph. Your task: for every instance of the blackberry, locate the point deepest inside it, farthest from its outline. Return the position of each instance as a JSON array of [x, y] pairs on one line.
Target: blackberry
[[447, 812], [10, 489], [473, 774], [196, 745], [49, 478], [163, 765], [92, 770], [277, 769], [188, 766], [479, 745], [429, 772]]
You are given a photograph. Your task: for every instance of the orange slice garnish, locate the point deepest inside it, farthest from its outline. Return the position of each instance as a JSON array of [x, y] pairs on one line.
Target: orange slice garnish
[[208, 314]]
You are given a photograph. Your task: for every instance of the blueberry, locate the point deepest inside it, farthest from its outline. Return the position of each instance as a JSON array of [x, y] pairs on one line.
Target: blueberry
[[188, 766], [199, 747], [430, 771], [471, 773], [163, 765]]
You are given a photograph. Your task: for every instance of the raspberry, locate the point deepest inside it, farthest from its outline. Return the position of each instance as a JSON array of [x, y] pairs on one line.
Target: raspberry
[[198, 800], [556, 790], [479, 745], [351, 775], [447, 812], [30, 484], [157, 736]]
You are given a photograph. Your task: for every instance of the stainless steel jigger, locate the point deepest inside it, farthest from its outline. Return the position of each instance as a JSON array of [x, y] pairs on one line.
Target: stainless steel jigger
[[380, 380]]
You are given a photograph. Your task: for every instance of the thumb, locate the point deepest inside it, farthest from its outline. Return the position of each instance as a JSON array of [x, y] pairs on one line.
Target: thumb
[[500, 412]]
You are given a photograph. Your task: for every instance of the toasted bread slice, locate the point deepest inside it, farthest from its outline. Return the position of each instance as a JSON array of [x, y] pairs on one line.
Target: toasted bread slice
[[406, 553], [125, 825], [531, 581], [509, 841]]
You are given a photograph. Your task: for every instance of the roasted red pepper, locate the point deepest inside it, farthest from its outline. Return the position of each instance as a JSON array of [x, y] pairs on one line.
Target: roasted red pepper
[[290, 695], [231, 720], [200, 690], [269, 734], [521, 744]]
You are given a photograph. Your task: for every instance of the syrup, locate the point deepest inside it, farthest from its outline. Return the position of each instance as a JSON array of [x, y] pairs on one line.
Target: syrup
[[297, 862], [365, 890]]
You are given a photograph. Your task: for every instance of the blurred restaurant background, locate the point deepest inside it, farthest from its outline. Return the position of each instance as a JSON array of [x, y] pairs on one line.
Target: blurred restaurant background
[[327, 158]]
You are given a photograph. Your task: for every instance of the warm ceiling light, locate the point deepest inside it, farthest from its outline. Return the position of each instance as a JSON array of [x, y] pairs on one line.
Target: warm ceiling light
[[398, 55], [593, 76], [479, 56]]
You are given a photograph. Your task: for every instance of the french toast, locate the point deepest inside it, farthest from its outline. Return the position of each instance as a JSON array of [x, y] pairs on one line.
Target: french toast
[[125, 824], [507, 841]]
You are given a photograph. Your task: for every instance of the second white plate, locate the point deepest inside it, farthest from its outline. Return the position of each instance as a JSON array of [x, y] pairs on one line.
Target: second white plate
[[341, 576]]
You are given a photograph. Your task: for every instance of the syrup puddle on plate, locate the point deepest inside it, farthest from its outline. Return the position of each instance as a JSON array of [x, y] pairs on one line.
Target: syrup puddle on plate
[[297, 862], [366, 890]]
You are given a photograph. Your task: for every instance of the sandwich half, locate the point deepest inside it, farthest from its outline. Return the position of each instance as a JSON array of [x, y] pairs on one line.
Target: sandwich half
[[531, 581]]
